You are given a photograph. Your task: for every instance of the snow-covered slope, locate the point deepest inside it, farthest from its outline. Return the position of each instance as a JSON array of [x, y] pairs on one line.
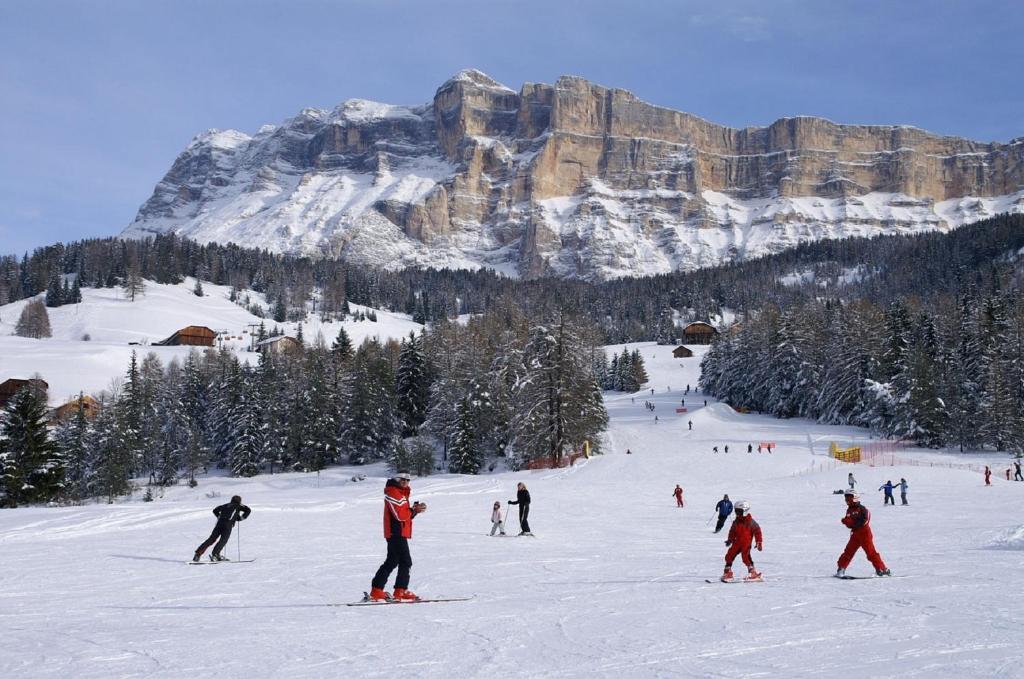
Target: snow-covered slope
[[117, 326], [571, 179], [612, 586]]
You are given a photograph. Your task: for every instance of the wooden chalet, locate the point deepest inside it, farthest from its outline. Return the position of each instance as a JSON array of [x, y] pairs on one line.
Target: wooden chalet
[[193, 335], [9, 388], [282, 344], [699, 332], [90, 407], [682, 352]]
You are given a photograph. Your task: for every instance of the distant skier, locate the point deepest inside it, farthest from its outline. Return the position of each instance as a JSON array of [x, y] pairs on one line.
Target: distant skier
[[715, 449], [496, 521], [227, 516], [851, 481], [988, 476], [724, 508], [398, 516], [758, 447], [682, 401], [903, 491], [523, 500], [690, 423], [678, 492], [742, 534], [887, 488], [1016, 474], [727, 449], [858, 520], [750, 448], [628, 451]]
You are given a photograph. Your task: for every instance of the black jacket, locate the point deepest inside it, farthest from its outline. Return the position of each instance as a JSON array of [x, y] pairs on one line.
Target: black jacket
[[231, 513], [522, 498]]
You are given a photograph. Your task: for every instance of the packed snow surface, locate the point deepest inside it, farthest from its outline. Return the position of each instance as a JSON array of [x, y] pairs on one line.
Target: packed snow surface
[[612, 586]]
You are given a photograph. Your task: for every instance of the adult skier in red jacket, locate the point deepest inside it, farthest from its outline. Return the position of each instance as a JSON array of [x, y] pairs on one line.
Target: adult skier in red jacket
[[398, 516], [678, 493], [743, 533], [858, 520]]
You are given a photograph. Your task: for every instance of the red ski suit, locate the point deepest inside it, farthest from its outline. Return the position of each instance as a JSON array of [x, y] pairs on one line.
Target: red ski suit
[[678, 492], [397, 512], [858, 520], [743, 532]]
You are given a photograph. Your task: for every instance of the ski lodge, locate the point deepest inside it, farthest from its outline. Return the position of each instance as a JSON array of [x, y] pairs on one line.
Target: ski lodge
[[282, 344], [699, 332], [193, 335], [682, 352], [8, 388], [90, 407]]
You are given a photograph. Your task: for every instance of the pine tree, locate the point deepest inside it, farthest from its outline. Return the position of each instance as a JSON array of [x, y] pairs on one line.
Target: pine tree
[[466, 455], [54, 291], [342, 347], [30, 463], [71, 437], [412, 386], [198, 289], [370, 423], [248, 441]]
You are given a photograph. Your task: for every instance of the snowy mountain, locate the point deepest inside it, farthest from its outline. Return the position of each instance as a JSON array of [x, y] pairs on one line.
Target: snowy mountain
[[613, 586], [93, 341], [571, 179]]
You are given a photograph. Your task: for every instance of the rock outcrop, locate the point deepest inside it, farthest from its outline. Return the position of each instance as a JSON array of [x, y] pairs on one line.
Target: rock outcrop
[[571, 179]]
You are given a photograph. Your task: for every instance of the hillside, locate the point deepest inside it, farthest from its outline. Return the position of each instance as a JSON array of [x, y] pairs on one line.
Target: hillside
[[612, 586], [117, 326]]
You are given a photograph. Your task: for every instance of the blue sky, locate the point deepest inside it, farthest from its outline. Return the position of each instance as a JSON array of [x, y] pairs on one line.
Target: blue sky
[[99, 97]]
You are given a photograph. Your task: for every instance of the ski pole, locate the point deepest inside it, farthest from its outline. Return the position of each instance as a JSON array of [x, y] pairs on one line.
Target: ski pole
[[712, 517], [238, 540]]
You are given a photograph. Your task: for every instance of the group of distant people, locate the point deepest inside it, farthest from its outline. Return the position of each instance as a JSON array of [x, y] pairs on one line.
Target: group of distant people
[[1017, 476], [887, 488]]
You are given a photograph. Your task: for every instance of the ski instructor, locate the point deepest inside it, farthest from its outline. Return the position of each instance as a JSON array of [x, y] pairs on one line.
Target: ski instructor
[[523, 500], [858, 520], [227, 516], [398, 516]]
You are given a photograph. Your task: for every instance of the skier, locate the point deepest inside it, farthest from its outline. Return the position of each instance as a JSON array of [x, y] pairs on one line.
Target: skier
[[758, 447], [858, 520], [690, 422], [988, 476], [903, 491], [227, 515], [682, 401], [1017, 475], [496, 521], [887, 487], [628, 451], [678, 492], [750, 448], [724, 508], [727, 449], [852, 481], [398, 516], [715, 448], [523, 500], [743, 532]]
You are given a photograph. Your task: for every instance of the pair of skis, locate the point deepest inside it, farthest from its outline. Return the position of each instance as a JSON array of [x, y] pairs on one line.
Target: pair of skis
[[367, 601], [214, 563]]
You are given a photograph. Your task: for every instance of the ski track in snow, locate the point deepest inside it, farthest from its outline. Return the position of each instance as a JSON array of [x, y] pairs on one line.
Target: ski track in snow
[[613, 586]]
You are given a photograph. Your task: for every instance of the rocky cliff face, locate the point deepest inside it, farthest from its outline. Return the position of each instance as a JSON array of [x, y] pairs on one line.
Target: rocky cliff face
[[570, 179]]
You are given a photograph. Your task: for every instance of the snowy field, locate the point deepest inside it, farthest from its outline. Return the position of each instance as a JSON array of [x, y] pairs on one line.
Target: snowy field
[[612, 586], [117, 326]]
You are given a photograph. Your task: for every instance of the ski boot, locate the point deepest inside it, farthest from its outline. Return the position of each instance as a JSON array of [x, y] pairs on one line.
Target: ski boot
[[196, 557], [218, 557], [753, 574], [404, 595], [840, 572], [377, 594], [880, 572], [727, 575]]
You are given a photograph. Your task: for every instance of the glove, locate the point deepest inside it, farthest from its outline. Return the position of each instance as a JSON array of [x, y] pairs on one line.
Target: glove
[[419, 507], [727, 543], [759, 547]]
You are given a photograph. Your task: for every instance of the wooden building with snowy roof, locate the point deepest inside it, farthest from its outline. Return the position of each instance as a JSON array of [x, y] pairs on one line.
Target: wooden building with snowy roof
[[193, 335]]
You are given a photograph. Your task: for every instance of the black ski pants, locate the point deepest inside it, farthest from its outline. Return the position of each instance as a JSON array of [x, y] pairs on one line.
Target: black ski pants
[[524, 512], [222, 531], [398, 555], [721, 522], [889, 499]]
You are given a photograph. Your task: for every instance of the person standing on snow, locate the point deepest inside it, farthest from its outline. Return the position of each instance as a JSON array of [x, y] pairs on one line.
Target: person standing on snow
[[988, 476], [523, 500], [903, 491], [724, 508], [858, 520], [742, 534], [398, 516], [750, 448], [1016, 474], [852, 481], [496, 521], [887, 487], [690, 423], [227, 516], [678, 492]]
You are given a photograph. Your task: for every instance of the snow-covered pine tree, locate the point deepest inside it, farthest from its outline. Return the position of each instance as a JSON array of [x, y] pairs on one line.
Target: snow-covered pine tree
[[54, 291], [412, 385], [111, 452], [71, 437], [342, 347], [30, 462], [248, 441], [370, 424], [466, 455]]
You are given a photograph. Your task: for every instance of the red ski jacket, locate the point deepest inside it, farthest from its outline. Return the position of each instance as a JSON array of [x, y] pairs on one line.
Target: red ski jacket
[[745, 530], [857, 517], [398, 514]]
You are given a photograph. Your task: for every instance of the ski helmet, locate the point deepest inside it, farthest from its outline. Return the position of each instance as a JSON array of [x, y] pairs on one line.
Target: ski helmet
[[742, 506], [852, 493]]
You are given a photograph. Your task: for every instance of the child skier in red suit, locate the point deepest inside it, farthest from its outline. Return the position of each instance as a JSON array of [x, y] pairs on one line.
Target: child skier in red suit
[[742, 534], [678, 492], [858, 520]]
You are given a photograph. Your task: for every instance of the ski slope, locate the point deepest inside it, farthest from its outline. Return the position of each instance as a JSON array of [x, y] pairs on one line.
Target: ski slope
[[612, 586]]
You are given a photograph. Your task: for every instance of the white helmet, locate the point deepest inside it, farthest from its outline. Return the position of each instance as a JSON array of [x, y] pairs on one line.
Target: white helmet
[[742, 506], [852, 493]]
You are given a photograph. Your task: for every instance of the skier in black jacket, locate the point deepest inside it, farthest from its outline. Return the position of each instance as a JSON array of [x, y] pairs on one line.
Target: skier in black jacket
[[227, 515], [523, 500]]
